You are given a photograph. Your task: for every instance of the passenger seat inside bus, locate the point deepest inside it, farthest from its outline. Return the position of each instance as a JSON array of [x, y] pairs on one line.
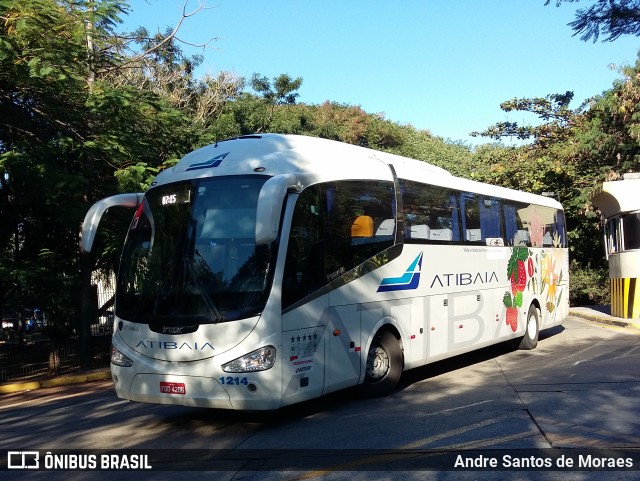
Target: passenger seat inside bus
[[441, 234], [362, 226], [474, 235], [386, 228], [521, 238], [420, 231]]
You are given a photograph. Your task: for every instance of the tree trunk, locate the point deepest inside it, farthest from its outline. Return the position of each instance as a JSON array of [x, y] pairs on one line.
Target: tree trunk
[[54, 361]]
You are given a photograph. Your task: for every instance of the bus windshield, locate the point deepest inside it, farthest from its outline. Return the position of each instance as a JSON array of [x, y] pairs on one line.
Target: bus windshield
[[190, 255]]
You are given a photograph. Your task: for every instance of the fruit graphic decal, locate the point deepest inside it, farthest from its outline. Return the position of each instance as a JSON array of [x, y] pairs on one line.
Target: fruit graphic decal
[[539, 273], [551, 264], [519, 263]]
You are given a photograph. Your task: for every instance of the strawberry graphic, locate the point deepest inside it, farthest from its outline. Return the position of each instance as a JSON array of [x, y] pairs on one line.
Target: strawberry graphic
[[517, 274], [519, 277], [512, 318], [516, 270]]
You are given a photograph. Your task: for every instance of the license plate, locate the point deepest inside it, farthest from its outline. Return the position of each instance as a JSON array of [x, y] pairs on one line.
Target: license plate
[[173, 388]]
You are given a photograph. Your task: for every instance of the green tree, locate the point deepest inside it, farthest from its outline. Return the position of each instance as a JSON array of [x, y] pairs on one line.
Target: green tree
[[279, 91]]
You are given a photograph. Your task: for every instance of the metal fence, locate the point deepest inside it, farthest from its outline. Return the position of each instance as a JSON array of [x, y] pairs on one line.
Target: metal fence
[[34, 348], [38, 355]]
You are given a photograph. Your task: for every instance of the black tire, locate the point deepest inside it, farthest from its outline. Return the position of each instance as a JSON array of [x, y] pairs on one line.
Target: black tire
[[532, 330], [384, 366]]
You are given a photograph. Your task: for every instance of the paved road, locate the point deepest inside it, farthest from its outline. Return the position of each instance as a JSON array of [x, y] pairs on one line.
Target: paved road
[[579, 389]]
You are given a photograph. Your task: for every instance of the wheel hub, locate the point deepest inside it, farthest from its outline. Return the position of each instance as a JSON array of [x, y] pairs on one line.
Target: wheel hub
[[377, 363]]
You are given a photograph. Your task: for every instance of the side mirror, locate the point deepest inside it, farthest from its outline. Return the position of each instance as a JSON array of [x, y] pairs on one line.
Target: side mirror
[[95, 213], [269, 207]]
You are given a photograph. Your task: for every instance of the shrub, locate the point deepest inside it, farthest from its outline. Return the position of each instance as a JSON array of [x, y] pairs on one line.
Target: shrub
[[587, 285]]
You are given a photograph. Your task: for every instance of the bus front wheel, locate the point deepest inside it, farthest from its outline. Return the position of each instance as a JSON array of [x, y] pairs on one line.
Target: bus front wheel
[[384, 366], [530, 339]]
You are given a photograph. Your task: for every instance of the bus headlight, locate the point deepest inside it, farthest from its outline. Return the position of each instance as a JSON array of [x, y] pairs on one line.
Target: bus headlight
[[258, 360], [119, 359]]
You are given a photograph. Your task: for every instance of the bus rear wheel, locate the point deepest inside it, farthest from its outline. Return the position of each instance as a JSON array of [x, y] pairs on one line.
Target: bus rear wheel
[[530, 339], [384, 366]]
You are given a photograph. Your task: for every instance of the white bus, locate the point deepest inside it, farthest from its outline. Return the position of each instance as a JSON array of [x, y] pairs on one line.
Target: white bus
[[270, 269]]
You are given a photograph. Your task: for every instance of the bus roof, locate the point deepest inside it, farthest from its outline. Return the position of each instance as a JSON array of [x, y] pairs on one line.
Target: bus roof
[[277, 154]]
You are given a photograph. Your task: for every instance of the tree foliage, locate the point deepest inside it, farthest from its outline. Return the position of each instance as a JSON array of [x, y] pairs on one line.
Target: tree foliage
[[280, 91], [553, 111], [609, 18]]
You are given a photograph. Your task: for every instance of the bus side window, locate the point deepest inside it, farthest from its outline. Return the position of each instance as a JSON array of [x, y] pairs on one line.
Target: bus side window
[[482, 219], [469, 206], [430, 213], [516, 233], [335, 227], [560, 228]]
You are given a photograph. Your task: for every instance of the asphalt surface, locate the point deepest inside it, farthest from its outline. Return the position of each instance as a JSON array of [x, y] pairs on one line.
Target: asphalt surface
[[597, 314]]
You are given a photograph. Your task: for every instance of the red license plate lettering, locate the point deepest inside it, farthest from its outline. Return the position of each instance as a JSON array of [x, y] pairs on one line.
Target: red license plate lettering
[[173, 388]]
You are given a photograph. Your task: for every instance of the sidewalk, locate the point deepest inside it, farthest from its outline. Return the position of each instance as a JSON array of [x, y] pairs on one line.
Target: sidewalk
[[602, 315], [598, 314]]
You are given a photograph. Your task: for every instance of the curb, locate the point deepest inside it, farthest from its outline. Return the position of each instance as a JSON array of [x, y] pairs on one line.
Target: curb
[[605, 319], [100, 375]]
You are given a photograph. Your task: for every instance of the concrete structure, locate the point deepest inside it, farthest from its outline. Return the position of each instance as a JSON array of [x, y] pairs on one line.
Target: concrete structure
[[619, 202]]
